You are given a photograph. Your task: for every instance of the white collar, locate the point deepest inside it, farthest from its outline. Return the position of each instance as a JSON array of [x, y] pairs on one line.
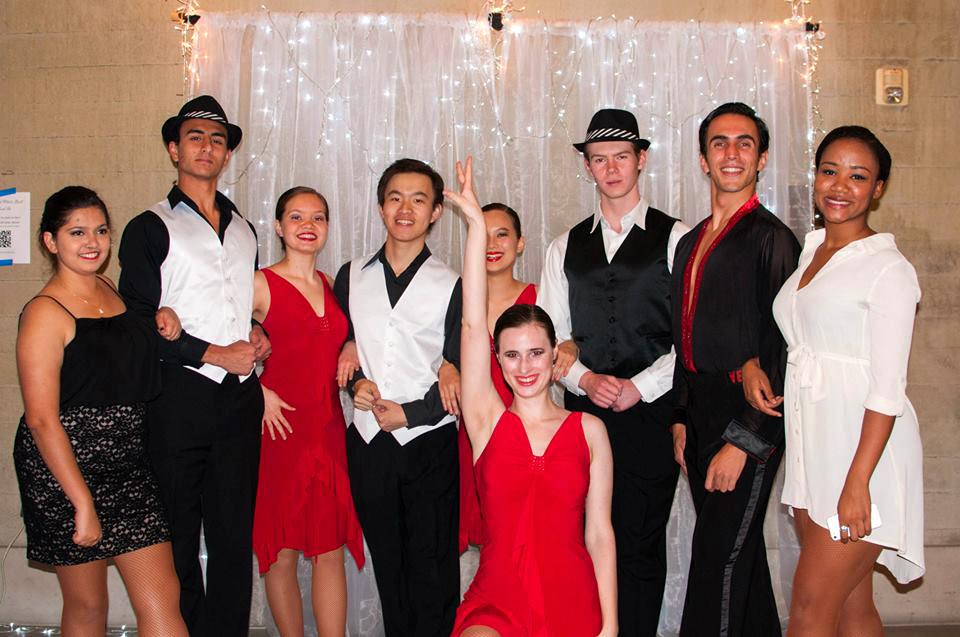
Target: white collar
[[637, 216]]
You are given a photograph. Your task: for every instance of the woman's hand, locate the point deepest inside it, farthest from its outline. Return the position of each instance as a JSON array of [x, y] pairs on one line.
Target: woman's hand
[[347, 364], [679, 431], [87, 525], [365, 394], [449, 377], [757, 389], [273, 418], [567, 353], [168, 323], [466, 199], [853, 509]]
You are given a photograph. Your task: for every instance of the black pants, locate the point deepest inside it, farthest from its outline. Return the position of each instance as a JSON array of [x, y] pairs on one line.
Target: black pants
[[644, 480], [729, 593], [203, 440], [407, 500]]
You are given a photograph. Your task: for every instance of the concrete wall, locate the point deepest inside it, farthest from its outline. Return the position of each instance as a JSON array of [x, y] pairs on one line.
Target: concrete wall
[[87, 84]]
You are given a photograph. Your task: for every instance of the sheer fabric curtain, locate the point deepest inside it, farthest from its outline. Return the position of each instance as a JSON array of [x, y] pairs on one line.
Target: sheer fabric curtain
[[330, 100]]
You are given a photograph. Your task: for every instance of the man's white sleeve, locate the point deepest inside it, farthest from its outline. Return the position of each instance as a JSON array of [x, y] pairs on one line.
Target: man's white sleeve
[[657, 379], [553, 297]]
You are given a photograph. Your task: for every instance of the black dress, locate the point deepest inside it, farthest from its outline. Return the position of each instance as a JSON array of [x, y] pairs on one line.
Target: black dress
[[109, 371]]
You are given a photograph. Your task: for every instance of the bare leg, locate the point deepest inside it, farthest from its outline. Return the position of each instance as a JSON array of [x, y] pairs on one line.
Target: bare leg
[[859, 616], [329, 593], [827, 574], [154, 590], [479, 631], [84, 589], [283, 593]]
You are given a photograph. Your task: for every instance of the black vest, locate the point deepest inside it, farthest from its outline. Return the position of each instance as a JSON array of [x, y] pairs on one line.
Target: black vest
[[620, 311]]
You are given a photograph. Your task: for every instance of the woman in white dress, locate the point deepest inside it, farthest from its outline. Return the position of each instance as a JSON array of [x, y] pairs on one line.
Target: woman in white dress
[[852, 437]]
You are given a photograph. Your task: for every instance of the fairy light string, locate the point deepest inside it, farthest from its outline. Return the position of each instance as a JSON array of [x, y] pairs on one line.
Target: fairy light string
[[477, 92], [185, 19], [814, 36]]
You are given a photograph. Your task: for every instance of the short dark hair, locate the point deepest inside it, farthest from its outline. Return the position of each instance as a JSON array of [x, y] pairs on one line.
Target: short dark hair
[[736, 108], [514, 217], [59, 205], [408, 165], [862, 134], [520, 315], [295, 191]]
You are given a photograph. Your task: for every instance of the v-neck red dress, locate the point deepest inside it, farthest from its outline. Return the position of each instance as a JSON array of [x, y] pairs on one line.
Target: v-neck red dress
[[536, 578], [303, 496]]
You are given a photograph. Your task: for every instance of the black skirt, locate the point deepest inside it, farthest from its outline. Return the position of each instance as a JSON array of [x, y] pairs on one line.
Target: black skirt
[[109, 448]]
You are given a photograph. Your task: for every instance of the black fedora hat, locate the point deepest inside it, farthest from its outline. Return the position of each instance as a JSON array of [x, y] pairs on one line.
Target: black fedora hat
[[613, 125], [202, 107]]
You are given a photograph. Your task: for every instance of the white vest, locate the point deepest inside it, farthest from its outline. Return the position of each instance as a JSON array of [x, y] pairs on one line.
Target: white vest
[[208, 284], [400, 348]]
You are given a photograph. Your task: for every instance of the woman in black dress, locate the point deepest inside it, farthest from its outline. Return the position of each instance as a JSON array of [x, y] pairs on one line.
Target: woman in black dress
[[86, 368]]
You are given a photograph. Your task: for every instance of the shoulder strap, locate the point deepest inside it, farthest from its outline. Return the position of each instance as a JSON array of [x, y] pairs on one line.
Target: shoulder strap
[[109, 284], [47, 296]]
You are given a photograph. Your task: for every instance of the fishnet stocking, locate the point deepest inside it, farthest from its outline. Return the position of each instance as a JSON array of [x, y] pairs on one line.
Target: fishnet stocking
[[154, 590]]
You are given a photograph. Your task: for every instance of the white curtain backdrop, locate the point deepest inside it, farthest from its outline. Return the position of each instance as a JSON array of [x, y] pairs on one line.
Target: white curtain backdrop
[[330, 101]]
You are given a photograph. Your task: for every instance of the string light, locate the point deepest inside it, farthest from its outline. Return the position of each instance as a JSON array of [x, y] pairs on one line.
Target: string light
[[812, 45], [12, 628], [185, 19], [296, 88]]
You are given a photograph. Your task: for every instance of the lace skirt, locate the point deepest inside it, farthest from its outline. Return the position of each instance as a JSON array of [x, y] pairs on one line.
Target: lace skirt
[[108, 445]]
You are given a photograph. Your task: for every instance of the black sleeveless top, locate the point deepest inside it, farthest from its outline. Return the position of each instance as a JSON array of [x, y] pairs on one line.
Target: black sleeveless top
[[110, 361]]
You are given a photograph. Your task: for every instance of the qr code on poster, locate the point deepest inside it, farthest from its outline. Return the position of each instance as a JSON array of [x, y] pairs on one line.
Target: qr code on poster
[[6, 238]]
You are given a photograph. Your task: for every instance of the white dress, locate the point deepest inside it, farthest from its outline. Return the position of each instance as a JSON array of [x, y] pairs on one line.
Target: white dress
[[848, 335]]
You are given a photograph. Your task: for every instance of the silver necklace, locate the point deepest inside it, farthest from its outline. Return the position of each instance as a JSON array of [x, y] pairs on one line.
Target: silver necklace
[[97, 307]]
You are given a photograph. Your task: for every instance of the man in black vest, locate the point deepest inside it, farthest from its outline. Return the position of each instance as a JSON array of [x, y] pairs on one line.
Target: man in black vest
[[611, 295]]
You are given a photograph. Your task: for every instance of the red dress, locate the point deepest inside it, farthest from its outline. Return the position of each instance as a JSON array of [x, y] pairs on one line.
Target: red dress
[[303, 496], [471, 522], [536, 578]]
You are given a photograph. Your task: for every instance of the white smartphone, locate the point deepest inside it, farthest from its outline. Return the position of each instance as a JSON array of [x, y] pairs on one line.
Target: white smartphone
[[833, 522]]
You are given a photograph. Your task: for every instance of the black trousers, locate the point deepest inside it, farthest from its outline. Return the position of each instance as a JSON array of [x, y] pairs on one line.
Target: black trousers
[[407, 500], [644, 480], [203, 440], [729, 593]]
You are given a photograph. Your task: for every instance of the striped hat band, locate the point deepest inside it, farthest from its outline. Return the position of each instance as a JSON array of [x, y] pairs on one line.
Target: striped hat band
[[617, 133], [204, 115]]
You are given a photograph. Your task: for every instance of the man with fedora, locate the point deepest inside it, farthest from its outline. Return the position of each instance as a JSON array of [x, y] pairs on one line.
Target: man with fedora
[[610, 293], [193, 252]]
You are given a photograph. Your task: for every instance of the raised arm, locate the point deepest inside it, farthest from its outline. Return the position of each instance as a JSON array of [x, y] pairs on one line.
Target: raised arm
[[481, 403]]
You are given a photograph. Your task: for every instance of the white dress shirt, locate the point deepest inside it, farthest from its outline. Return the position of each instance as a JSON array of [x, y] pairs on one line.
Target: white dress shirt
[[655, 380]]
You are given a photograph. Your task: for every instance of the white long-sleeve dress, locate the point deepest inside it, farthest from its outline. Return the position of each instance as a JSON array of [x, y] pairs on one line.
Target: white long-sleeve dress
[[848, 334]]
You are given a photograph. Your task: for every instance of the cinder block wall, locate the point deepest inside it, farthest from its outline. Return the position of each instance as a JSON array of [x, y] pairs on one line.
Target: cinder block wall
[[86, 86]]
